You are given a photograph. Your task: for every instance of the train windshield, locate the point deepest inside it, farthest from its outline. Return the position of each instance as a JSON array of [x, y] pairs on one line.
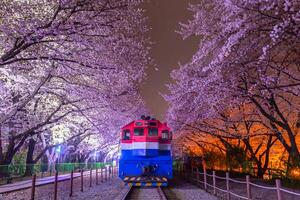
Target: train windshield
[[153, 132], [138, 131], [152, 124], [165, 134], [126, 134]]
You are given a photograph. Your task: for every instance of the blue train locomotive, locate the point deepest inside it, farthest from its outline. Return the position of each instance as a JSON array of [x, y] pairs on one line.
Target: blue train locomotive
[[146, 153]]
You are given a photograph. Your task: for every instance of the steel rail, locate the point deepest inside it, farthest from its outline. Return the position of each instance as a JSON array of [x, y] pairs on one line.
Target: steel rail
[[162, 194], [127, 193]]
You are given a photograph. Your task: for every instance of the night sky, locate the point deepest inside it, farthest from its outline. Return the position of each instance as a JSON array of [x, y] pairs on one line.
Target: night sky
[[168, 49]]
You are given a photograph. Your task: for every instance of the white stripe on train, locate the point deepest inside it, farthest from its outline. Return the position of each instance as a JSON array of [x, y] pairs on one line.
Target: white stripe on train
[[145, 145]]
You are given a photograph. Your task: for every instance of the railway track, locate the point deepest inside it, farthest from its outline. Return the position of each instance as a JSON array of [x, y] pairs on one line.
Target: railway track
[[145, 193]]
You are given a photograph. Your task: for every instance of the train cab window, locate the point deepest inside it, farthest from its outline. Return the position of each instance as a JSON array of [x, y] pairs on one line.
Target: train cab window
[[126, 134], [138, 131], [138, 123], [152, 124], [165, 134], [152, 132]]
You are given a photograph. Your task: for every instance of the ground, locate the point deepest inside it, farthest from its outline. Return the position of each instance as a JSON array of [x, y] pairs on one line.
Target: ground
[[186, 191], [109, 190]]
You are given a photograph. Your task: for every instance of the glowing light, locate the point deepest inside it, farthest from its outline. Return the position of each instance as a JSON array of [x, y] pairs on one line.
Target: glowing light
[[95, 154], [296, 173], [58, 149]]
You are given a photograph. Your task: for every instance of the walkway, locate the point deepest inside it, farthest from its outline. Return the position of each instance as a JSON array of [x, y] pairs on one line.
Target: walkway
[[39, 181]]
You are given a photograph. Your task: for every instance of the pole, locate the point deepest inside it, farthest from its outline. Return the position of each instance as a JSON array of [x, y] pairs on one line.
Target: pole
[[214, 182], [91, 174], [101, 175], [33, 186], [71, 183], [96, 176], [81, 174], [205, 178], [278, 186], [55, 185], [248, 187], [110, 172], [227, 185]]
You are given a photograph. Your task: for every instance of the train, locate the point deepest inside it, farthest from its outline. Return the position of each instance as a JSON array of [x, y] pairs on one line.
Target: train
[[145, 158]]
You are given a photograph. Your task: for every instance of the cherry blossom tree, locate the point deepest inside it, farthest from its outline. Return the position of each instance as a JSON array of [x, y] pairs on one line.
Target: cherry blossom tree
[[71, 38], [68, 62], [249, 53]]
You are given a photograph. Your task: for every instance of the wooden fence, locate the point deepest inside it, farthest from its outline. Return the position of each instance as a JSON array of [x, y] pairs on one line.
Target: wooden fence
[[194, 175], [100, 174]]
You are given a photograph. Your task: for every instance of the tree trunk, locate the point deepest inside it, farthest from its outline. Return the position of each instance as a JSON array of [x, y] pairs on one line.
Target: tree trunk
[[260, 171], [29, 159], [293, 161], [7, 158]]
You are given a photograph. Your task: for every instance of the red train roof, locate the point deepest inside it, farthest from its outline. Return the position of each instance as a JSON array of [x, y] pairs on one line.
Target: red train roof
[[146, 123]]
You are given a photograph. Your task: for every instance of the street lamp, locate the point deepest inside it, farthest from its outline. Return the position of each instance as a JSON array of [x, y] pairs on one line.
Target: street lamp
[[58, 151]]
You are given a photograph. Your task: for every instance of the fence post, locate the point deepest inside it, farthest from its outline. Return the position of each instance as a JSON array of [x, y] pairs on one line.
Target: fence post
[[227, 185], [109, 172], [197, 171], [33, 186], [91, 177], [101, 174], [105, 170], [113, 171], [71, 183], [278, 186], [214, 182], [81, 177], [205, 178], [248, 187], [55, 185], [96, 176]]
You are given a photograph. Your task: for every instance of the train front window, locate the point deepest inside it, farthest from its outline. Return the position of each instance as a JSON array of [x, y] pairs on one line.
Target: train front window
[[138, 131], [126, 134], [138, 123], [152, 132], [152, 124], [165, 134]]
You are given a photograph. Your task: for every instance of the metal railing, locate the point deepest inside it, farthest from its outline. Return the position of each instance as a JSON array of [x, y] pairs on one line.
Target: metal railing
[[19, 169]]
